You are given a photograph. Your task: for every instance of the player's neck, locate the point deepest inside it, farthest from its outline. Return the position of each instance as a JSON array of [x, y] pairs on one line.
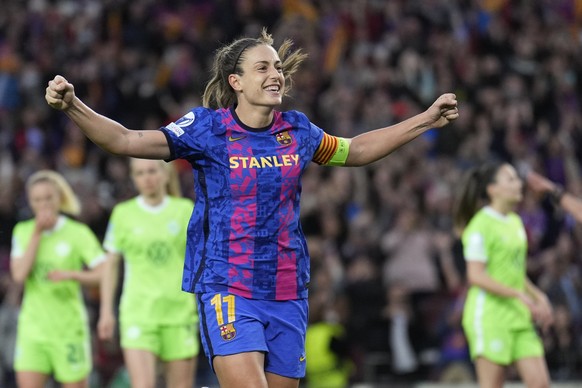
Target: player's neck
[[254, 116], [502, 208], [154, 199]]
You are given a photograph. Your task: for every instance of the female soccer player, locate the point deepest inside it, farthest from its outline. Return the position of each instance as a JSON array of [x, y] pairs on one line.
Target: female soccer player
[[157, 319], [48, 255], [501, 301], [247, 258]]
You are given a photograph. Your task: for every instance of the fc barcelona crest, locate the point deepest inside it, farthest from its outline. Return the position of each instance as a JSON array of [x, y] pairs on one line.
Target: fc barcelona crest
[[227, 332], [284, 138]]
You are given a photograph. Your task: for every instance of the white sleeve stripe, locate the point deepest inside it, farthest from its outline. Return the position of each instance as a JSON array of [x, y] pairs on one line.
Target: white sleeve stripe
[[474, 249], [96, 261], [478, 259], [109, 246]]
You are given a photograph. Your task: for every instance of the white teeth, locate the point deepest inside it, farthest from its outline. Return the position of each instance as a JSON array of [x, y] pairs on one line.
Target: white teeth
[[273, 88]]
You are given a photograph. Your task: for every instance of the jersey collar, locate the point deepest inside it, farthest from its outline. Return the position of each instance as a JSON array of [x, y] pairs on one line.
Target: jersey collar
[[246, 127], [58, 225], [494, 213], [152, 209]]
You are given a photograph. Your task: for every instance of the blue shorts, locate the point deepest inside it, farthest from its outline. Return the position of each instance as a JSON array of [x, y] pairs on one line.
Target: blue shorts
[[231, 324]]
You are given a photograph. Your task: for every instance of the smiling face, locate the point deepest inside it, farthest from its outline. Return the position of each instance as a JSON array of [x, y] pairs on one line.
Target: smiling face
[[262, 82]]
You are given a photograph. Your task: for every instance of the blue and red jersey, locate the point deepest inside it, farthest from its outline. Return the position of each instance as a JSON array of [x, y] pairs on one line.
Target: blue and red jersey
[[244, 236]]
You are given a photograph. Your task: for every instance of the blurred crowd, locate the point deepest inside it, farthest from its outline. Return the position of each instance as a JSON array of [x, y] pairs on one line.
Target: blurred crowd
[[387, 271]]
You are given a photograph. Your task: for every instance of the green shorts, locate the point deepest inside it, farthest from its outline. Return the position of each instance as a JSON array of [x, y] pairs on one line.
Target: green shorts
[[68, 360], [176, 342], [504, 346]]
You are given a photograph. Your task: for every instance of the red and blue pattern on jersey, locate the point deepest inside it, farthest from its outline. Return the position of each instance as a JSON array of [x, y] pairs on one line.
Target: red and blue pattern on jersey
[[245, 236]]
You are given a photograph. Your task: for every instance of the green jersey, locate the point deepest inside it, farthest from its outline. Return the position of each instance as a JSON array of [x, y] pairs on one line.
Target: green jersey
[[500, 242], [55, 309], [152, 241]]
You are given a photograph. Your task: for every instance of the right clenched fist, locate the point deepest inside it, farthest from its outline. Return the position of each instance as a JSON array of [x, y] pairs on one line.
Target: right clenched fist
[[59, 93]]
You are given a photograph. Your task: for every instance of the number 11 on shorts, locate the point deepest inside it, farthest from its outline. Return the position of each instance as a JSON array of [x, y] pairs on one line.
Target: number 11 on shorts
[[217, 301]]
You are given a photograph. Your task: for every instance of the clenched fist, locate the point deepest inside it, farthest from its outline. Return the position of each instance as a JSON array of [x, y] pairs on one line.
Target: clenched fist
[[60, 93], [444, 110]]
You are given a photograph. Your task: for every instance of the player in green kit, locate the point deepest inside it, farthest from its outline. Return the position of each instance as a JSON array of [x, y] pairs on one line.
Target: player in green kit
[[49, 254], [157, 320], [501, 300]]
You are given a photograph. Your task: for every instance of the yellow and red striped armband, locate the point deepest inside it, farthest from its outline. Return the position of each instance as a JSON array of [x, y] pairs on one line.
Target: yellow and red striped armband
[[332, 151]]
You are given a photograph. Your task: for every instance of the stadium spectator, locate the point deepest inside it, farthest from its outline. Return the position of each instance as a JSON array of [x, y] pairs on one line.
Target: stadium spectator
[[9, 311]]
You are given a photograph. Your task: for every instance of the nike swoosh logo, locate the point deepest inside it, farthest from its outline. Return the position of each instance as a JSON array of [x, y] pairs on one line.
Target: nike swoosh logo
[[302, 358], [231, 138]]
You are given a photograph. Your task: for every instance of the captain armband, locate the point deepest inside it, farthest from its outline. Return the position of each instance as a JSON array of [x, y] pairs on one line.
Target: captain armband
[[332, 151], [341, 154]]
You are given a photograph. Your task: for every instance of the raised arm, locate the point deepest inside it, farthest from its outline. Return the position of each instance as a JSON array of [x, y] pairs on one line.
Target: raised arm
[[20, 267], [106, 133], [374, 145], [559, 196]]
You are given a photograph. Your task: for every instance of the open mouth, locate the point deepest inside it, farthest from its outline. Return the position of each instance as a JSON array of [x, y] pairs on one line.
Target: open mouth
[[273, 88]]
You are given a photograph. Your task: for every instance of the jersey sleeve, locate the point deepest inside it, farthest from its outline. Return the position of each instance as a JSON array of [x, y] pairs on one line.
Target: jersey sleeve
[[111, 241], [187, 135], [18, 247], [91, 251], [188, 207], [327, 149], [474, 246]]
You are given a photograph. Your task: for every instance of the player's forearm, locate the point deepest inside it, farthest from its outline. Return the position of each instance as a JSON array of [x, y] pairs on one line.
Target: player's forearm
[[534, 291], [572, 205], [106, 133], [377, 144], [487, 283], [91, 277], [108, 284]]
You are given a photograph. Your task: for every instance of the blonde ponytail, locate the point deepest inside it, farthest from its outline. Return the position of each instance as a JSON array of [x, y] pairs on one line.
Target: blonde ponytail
[[173, 187]]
